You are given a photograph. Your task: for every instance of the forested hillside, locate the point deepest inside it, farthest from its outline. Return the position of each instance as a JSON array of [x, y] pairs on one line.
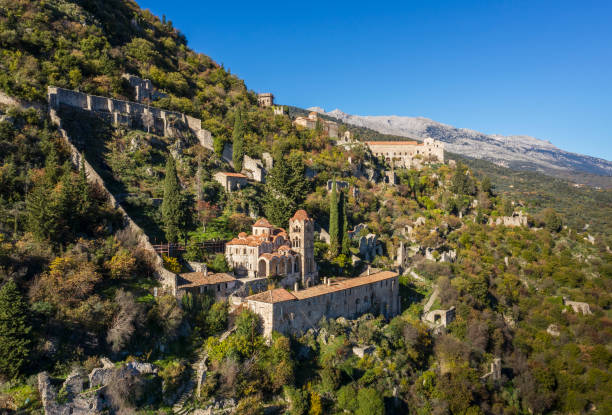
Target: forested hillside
[[76, 288]]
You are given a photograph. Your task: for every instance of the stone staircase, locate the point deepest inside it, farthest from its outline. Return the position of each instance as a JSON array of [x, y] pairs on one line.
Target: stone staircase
[[179, 406], [198, 375]]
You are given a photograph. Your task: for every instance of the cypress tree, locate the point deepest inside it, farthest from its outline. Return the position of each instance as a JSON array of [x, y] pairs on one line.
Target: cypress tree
[[14, 330], [346, 243], [334, 222], [171, 204], [84, 203], [42, 214], [286, 187], [238, 141]]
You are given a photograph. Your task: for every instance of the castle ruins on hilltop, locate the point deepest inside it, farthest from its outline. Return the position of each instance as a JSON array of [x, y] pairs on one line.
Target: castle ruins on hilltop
[[131, 114], [297, 311], [330, 128], [270, 252], [265, 99], [408, 154]]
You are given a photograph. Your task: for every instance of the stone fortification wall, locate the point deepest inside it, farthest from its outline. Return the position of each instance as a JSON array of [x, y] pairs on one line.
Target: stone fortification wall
[[254, 169], [131, 113], [167, 279]]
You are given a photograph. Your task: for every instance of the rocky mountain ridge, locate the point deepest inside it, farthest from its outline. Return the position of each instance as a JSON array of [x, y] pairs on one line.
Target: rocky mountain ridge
[[517, 152]]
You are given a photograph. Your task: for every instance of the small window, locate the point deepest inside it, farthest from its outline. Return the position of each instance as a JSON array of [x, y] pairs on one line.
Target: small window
[[218, 287]]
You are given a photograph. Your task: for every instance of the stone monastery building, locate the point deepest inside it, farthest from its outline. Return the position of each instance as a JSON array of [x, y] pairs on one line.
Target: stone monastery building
[[270, 252], [403, 153], [297, 311], [329, 127]]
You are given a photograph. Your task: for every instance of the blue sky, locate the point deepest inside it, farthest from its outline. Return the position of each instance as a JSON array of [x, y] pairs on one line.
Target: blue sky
[[539, 68]]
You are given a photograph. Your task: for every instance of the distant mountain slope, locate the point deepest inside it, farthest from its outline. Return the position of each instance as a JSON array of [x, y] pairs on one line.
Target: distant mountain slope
[[517, 152]]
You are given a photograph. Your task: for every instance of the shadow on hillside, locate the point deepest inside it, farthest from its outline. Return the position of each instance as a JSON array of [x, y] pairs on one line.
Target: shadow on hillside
[[91, 134]]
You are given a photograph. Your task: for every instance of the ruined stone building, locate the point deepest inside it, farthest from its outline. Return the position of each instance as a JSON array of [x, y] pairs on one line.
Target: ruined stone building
[[265, 99], [516, 219], [297, 311], [330, 128], [231, 181], [340, 185], [143, 88], [408, 154], [254, 169], [270, 252]]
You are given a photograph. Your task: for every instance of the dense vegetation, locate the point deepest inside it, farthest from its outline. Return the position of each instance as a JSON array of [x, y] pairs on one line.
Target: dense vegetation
[[74, 287]]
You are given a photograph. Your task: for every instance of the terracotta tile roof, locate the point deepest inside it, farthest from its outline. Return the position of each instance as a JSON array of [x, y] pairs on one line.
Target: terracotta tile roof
[[263, 223], [344, 284], [393, 143], [277, 295], [240, 175], [280, 294], [249, 240], [196, 279], [300, 215]]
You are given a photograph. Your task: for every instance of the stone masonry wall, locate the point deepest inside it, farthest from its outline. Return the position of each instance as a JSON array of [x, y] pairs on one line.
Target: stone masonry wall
[[61, 96], [165, 277], [254, 169], [298, 316]]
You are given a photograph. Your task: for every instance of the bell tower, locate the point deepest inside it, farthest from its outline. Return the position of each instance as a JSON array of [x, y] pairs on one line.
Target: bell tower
[[301, 235]]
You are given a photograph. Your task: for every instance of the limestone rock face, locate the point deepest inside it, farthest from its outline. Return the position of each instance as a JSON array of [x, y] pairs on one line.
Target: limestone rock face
[[89, 402]]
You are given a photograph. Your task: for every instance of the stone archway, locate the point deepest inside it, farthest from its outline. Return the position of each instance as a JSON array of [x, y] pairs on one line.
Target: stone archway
[[262, 268], [288, 265], [273, 267]]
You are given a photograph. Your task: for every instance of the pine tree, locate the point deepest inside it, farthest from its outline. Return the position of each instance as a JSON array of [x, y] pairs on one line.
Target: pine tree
[[171, 204], [334, 222], [14, 331], [346, 242], [238, 141]]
